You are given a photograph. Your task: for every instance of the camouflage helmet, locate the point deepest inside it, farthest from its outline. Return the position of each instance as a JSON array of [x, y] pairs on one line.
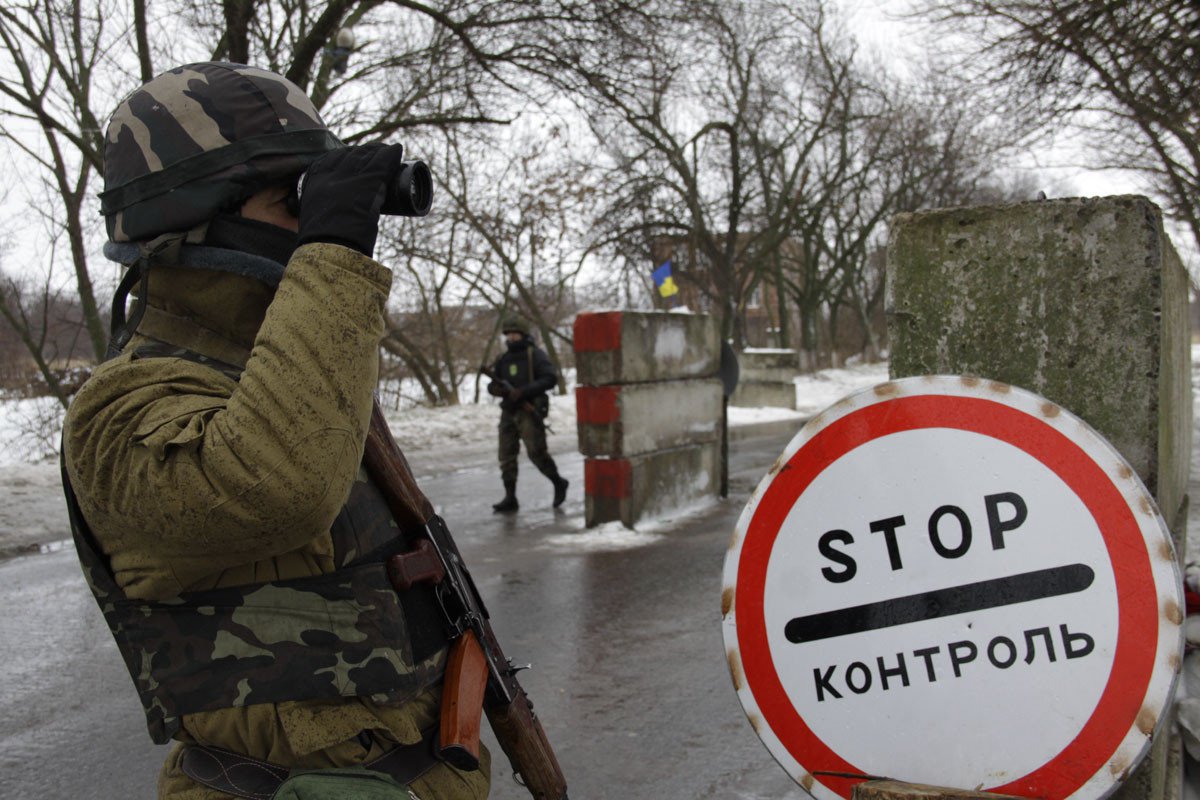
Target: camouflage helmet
[[515, 324], [198, 140]]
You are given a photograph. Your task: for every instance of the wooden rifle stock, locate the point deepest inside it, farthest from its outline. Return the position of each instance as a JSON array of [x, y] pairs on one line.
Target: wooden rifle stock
[[389, 468], [473, 662], [527, 745], [462, 702]]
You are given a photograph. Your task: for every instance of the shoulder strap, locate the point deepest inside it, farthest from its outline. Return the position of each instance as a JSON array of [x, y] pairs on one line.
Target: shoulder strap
[[159, 349]]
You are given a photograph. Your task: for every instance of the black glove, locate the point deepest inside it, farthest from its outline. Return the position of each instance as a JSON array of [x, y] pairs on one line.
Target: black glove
[[342, 193]]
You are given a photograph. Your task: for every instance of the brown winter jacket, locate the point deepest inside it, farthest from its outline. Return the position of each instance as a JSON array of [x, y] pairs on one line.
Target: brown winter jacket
[[192, 481]]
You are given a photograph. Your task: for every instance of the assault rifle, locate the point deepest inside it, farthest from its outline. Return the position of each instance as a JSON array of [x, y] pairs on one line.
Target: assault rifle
[[526, 405], [488, 372], [478, 676]]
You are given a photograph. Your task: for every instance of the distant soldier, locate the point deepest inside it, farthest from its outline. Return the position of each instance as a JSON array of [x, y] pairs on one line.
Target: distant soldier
[[521, 377], [213, 462]]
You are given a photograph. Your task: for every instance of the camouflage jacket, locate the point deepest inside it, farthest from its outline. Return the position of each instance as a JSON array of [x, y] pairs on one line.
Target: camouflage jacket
[[192, 483], [346, 633]]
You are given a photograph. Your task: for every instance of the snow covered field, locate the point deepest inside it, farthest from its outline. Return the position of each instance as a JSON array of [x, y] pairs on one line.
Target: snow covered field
[[32, 511], [28, 438], [31, 507]]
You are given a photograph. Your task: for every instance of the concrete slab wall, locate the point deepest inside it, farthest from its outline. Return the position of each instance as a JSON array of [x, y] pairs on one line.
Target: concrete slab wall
[[621, 420], [757, 359], [760, 394], [626, 490], [1083, 301], [631, 347], [650, 412], [766, 378]]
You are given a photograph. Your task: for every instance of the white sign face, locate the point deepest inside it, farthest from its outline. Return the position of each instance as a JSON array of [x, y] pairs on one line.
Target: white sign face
[[957, 583]]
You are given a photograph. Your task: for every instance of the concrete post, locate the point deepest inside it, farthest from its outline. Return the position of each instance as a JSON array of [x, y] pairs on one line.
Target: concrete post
[[1083, 301], [649, 408]]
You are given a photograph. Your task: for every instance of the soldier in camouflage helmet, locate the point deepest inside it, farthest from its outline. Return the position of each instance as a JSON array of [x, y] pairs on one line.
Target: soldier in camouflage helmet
[[212, 463], [521, 377]]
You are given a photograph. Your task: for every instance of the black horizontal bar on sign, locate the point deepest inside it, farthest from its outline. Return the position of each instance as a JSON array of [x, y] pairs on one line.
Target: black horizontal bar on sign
[[992, 593]]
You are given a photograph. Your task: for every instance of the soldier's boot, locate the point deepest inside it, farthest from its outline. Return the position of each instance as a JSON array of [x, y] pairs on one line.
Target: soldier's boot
[[509, 504], [560, 489]]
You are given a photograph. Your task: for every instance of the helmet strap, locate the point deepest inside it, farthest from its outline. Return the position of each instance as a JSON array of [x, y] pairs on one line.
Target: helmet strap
[[161, 248]]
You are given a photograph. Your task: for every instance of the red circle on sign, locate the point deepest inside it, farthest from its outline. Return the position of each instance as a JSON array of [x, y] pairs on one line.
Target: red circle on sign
[[1137, 633]]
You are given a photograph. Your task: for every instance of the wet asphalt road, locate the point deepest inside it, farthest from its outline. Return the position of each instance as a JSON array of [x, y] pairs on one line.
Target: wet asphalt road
[[624, 633]]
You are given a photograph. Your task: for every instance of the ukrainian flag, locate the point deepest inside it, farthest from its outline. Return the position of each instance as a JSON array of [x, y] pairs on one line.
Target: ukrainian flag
[[664, 281]]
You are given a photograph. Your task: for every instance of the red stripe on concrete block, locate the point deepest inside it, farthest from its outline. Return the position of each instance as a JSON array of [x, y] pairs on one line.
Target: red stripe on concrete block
[[597, 405], [598, 332], [608, 477]]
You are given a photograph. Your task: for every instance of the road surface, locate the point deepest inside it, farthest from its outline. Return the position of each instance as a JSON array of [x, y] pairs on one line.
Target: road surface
[[623, 629]]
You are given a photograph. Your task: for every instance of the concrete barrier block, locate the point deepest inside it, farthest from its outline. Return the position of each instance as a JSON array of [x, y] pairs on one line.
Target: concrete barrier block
[[1081, 300], [630, 419], [759, 394], [627, 490], [632, 346], [767, 375], [769, 359]]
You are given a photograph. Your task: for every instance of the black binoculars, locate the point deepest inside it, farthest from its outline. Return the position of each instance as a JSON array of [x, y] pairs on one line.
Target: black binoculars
[[409, 192]]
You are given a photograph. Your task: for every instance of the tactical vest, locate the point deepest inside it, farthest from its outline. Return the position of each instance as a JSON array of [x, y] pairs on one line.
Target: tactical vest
[[344, 634]]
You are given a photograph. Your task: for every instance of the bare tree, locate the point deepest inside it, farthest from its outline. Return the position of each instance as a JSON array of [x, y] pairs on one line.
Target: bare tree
[[733, 140], [520, 222], [920, 142], [430, 331], [415, 67], [32, 312], [53, 52], [685, 118], [1125, 74]]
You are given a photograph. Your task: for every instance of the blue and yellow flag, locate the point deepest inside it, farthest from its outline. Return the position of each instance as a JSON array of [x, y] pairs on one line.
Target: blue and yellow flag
[[664, 281]]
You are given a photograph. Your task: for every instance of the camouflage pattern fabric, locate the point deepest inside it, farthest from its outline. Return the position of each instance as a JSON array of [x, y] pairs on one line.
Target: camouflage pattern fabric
[[521, 426], [334, 635], [344, 633], [199, 139], [192, 482], [526, 367]]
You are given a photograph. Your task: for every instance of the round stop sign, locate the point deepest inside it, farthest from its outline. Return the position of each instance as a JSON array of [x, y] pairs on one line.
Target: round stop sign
[[953, 582]]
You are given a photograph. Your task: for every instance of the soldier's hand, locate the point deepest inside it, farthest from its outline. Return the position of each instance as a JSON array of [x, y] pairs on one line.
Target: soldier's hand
[[342, 193], [514, 395]]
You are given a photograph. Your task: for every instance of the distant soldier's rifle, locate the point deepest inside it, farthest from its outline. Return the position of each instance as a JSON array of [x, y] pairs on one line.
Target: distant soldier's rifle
[[478, 675], [508, 388], [526, 405]]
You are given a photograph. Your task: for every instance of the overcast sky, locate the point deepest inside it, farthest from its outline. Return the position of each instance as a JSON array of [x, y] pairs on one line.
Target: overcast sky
[[879, 28]]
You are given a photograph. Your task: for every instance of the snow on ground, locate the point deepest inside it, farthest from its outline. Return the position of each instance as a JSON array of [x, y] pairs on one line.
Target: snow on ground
[[815, 392], [32, 511], [30, 429], [429, 428]]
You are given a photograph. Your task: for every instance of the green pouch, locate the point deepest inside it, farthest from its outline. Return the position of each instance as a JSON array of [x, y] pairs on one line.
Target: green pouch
[[349, 783]]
